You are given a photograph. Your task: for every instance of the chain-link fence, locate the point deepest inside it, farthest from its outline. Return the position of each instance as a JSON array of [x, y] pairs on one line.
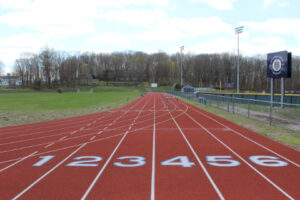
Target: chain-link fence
[[273, 113]]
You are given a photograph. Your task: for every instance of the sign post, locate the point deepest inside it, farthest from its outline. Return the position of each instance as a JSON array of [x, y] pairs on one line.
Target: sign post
[[282, 92], [279, 65]]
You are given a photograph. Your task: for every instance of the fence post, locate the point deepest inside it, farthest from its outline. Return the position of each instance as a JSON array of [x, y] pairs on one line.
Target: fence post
[[248, 108], [228, 104], [270, 118], [232, 105], [218, 101]]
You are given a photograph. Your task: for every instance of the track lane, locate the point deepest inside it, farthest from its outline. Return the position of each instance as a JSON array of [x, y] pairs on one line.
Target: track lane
[[178, 182], [262, 188], [284, 178], [34, 173], [61, 180], [118, 182]]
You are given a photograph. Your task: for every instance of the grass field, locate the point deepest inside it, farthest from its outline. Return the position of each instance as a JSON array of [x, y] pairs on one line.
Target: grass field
[[27, 107]]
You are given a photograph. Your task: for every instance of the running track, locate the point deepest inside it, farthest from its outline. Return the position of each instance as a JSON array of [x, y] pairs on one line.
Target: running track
[[156, 147]]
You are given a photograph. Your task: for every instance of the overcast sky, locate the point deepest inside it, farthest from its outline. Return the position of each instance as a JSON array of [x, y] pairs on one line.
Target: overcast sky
[[202, 26]]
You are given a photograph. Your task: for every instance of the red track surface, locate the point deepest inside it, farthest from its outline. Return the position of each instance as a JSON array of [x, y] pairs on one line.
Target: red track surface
[[156, 147]]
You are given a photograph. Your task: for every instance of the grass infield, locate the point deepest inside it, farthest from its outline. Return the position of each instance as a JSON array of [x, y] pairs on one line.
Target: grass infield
[[21, 108]]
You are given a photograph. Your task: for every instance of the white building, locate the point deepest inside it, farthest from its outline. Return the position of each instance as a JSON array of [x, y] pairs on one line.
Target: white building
[[10, 81]]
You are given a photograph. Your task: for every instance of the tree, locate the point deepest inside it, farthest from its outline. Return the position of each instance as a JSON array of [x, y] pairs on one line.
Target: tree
[[47, 59], [1, 68]]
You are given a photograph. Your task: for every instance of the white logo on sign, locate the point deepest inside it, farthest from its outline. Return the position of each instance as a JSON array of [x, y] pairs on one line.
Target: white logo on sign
[[276, 65]]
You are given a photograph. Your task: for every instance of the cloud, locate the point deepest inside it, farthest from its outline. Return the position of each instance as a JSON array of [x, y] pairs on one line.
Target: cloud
[[59, 19], [280, 3], [23, 41], [175, 29], [285, 27], [12, 47], [141, 17], [112, 39], [218, 4], [217, 45]]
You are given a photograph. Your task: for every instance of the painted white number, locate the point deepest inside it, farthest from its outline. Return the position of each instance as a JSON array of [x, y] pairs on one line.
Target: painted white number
[[85, 163], [137, 161], [178, 161], [43, 161], [222, 161], [268, 161]]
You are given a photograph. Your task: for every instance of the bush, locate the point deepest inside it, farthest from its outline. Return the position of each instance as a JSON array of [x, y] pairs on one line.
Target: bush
[[59, 90], [37, 85]]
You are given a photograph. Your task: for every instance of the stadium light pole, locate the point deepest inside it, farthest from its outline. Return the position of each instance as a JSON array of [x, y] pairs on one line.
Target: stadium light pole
[[181, 63], [238, 30]]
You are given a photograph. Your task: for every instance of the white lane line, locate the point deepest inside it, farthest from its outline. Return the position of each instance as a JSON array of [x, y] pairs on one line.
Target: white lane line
[[106, 163], [100, 132], [48, 172], [105, 128], [238, 133], [98, 140], [89, 124], [153, 158], [73, 132], [31, 146], [81, 128], [199, 161], [240, 157], [92, 138], [102, 169], [52, 143], [62, 138], [9, 166]]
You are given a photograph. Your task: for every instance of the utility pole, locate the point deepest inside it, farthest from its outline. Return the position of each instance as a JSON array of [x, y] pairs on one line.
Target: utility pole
[[181, 63], [238, 30]]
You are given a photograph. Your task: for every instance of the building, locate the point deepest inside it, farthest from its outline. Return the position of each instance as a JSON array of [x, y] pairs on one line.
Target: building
[[10, 81], [188, 88]]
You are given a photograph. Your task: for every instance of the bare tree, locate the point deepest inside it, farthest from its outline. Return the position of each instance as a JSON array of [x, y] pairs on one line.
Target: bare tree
[[47, 59], [1, 68]]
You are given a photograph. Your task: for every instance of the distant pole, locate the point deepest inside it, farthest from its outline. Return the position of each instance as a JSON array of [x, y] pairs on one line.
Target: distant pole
[[181, 63], [282, 92], [238, 30]]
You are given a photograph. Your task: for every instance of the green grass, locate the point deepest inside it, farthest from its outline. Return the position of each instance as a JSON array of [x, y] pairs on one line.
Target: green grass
[[38, 102], [288, 139], [28, 107]]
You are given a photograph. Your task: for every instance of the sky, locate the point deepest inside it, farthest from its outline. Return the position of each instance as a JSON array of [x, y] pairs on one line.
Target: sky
[[201, 26]]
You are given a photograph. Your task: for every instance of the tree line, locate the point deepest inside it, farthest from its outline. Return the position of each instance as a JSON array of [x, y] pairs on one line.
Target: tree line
[[55, 69]]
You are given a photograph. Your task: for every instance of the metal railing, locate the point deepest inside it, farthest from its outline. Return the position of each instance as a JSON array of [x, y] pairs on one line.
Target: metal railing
[[288, 116]]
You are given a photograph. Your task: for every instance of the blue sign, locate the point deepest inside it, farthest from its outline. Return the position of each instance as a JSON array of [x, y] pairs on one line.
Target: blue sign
[[279, 65], [228, 85]]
